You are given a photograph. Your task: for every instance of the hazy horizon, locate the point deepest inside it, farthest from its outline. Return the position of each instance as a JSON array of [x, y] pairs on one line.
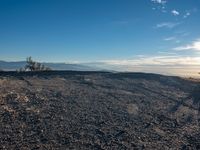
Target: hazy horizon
[[178, 70]]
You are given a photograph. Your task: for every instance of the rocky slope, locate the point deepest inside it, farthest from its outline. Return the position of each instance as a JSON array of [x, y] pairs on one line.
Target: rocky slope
[[98, 110]]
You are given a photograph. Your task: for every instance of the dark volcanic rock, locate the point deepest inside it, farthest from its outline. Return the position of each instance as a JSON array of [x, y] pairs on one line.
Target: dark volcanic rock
[[98, 110]]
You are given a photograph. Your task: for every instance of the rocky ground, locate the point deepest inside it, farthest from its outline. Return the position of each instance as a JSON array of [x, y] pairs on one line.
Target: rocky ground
[[98, 110]]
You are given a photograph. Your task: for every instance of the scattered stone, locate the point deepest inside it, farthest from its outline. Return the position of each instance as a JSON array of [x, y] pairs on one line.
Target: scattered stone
[[82, 110]]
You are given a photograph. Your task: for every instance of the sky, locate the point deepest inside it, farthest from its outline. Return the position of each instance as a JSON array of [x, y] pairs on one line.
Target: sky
[[129, 35]]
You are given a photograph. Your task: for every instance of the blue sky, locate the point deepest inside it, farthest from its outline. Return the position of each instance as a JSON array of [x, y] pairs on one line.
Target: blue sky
[[115, 32]]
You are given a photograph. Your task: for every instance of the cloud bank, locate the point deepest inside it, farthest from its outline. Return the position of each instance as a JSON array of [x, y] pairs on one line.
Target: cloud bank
[[163, 64]]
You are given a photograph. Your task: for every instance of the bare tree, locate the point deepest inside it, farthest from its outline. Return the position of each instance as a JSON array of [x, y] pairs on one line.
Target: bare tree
[[34, 66]]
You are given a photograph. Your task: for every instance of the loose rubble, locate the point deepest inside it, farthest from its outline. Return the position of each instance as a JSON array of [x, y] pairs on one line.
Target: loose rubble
[[98, 110]]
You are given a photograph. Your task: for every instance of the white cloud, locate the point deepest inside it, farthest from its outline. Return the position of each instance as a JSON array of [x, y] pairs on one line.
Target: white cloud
[[182, 33], [173, 39], [175, 12], [189, 12], [195, 45], [170, 38], [167, 25], [159, 5], [159, 1], [187, 15]]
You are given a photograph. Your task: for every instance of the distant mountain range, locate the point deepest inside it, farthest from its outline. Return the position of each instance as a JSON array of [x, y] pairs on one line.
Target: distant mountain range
[[11, 66]]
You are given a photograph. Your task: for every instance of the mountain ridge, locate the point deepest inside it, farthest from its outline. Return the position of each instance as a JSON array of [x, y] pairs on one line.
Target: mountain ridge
[[15, 65]]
